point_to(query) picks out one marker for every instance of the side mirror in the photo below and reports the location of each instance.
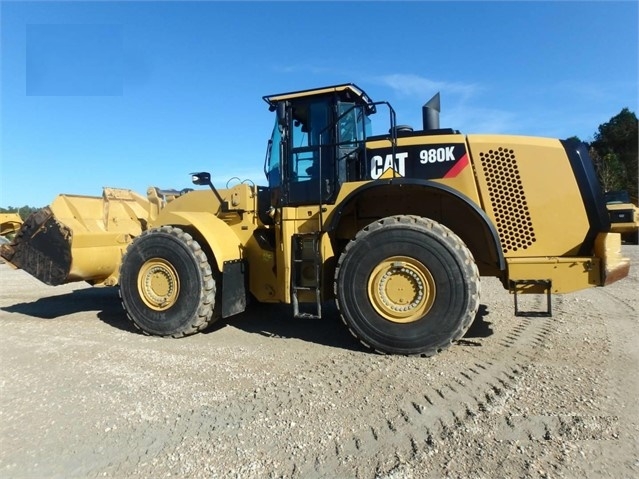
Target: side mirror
(202, 178)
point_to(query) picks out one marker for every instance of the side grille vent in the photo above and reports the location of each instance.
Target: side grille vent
(508, 199)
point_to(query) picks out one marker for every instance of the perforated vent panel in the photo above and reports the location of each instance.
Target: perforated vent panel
(507, 199)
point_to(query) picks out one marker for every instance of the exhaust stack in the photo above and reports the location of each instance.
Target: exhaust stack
(430, 113)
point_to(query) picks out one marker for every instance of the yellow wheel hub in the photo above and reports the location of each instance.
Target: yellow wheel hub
(158, 284)
(401, 289)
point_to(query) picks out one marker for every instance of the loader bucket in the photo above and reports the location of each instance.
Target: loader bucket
(79, 238)
(42, 248)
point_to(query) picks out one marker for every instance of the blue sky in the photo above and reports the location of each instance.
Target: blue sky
(134, 94)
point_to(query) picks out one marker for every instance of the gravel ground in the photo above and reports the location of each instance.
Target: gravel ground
(263, 395)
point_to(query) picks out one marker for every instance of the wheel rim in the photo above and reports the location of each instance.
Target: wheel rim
(158, 284)
(401, 289)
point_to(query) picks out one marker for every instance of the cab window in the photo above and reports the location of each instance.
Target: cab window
(309, 153)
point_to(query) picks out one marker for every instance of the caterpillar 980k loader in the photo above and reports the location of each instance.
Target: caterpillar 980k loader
(397, 228)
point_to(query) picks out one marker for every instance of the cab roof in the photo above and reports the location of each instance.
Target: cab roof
(346, 91)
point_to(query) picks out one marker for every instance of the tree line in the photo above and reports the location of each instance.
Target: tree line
(614, 152)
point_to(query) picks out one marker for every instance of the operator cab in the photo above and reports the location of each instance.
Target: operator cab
(317, 143)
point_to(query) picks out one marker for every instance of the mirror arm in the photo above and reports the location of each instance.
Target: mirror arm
(204, 178)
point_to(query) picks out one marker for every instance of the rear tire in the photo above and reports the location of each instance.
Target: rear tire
(407, 285)
(166, 283)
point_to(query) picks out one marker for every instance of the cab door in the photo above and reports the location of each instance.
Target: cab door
(309, 163)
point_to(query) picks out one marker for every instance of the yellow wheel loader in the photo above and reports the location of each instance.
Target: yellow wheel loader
(9, 224)
(624, 215)
(396, 228)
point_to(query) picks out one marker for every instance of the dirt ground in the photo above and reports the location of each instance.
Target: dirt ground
(263, 395)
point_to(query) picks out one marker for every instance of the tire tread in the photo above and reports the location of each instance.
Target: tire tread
(419, 223)
(205, 312)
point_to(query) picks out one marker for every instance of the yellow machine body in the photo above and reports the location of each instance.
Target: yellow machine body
(527, 208)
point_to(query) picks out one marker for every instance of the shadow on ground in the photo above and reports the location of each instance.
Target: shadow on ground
(276, 321)
(103, 300)
(269, 320)
(479, 328)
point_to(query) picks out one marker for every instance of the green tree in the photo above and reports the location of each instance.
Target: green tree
(610, 171)
(615, 148)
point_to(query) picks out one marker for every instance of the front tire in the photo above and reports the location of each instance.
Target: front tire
(166, 283)
(407, 285)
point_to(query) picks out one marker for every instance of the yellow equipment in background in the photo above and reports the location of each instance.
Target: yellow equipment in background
(397, 228)
(624, 215)
(9, 224)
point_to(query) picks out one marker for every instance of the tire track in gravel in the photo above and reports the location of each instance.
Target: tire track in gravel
(373, 432)
(418, 420)
(522, 427)
(481, 386)
(354, 416)
(628, 303)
